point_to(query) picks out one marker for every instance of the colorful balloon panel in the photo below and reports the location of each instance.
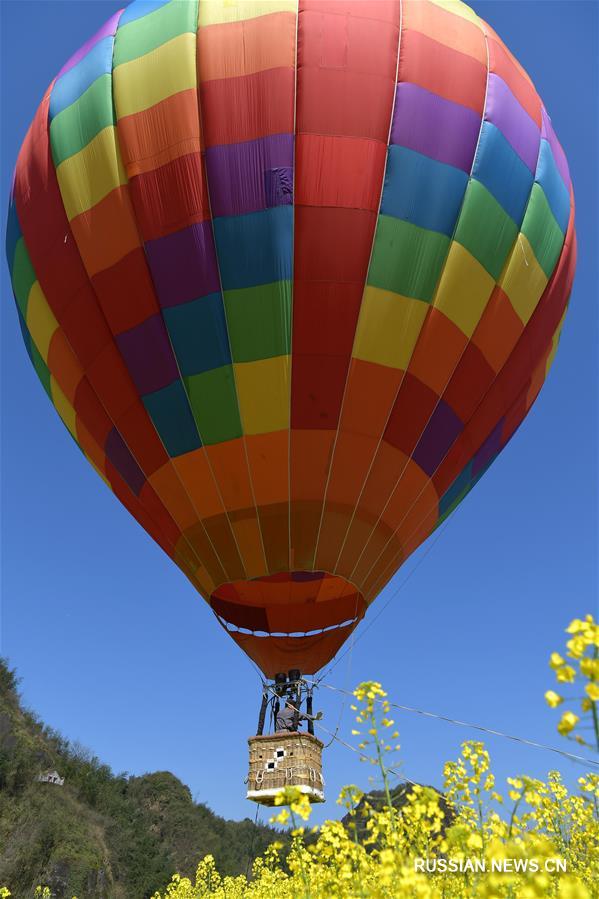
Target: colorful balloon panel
(292, 275)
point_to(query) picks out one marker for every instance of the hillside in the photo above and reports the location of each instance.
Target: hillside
(101, 835)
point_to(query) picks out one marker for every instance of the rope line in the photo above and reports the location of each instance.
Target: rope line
(251, 852)
(248, 657)
(343, 743)
(362, 754)
(486, 730)
(371, 621)
(387, 603)
(347, 677)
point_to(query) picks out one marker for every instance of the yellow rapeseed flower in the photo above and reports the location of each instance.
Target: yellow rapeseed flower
(576, 647)
(590, 668)
(380, 863)
(568, 722)
(592, 691)
(566, 674)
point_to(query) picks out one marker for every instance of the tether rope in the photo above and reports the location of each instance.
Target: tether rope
(486, 730)
(347, 677)
(533, 744)
(362, 754)
(387, 603)
(251, 852)
(334, 736)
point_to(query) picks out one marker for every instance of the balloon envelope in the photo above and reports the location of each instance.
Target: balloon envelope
(292, 275)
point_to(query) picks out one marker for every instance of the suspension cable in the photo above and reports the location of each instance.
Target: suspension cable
(343, 743)
(487, 730)
(251, 850)
(386, 604)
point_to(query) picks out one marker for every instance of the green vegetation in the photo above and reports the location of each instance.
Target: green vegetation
(101, 835)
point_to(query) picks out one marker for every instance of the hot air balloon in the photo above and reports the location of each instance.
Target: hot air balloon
(292, 274)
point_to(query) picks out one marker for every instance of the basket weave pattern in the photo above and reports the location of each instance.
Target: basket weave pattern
(285, 759)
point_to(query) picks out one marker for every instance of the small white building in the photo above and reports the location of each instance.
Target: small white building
(50, 777)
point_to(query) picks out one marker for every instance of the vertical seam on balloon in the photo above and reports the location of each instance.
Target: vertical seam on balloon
(75, 353)
(404, 331)
(207, 455)
(101, 312)
(204, 446)
(506, 263)
(95, 443)
(431, 306)
(374, 233)
(480, 403)
(291, 562)
(222, 294)
(160, 311)
(83, 378)
(168, 336)
(169, 457)
(196, 425)
(384, 577)
(108, 415)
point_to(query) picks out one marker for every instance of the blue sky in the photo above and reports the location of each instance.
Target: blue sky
(115, 649)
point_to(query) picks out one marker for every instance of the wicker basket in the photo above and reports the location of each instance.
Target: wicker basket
(285, 759)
